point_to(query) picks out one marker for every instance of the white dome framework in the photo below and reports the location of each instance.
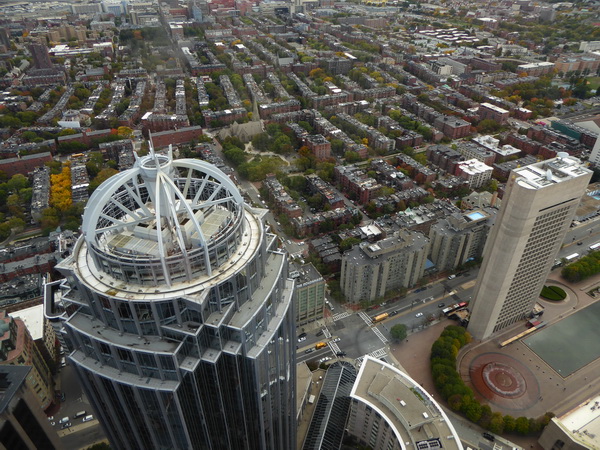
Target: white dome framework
(177, 313)
(164, 221)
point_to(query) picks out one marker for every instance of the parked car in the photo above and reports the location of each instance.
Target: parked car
(489, 437)
(341, 354)
(64, 420)
(65, 425)
(419, 314)
(441, 305)
(452, 277)
(88, 418)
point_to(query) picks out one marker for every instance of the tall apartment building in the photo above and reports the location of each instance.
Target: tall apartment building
(177, 312)
(369, 270)
(23, 425)
(595, 153)
(459, 238)
(537, 209)
(310, 293)
(41, 58)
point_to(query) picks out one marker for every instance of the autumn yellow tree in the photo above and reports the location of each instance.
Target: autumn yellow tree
(60, 189)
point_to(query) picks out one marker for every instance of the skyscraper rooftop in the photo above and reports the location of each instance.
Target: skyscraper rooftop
(176, 311)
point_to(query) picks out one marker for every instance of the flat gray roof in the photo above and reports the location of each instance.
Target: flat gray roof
(411, 412)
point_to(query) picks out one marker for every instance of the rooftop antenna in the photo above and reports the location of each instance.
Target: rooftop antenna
(151, 145)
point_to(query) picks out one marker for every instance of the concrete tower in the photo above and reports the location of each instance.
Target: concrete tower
(177, 312)
(595, 153)
(41, 58)
(537, 209)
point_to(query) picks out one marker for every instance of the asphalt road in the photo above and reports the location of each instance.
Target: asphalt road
(80, 434)
(358, 336)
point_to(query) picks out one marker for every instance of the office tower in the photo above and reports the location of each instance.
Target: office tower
(4, 37)
(41, 59)
(177, 312)
(23, 425)
(537, 208)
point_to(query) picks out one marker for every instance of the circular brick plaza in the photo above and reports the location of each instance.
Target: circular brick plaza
(504, 381)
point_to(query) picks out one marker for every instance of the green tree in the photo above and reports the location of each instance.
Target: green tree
(487, 126)
(235, 155)
(486, 416)
(352, 157)
(13, 202)
(5, 230)
(261, 142)
(522, 426)
(50, 219)
(17, 182)
(282, 144)
(67, 132)
(509, 423)
(337, 146)
(17, 224)
(102, 176)
(398, 332)
(29, 136)
(347, 244)
(472, 409)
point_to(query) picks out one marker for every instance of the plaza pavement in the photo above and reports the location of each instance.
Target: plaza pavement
(556, 394)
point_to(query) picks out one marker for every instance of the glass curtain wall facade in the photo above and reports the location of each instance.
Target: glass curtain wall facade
(176, 309)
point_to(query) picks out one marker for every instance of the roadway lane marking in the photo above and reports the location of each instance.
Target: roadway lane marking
(340, 316)
(380, 335)
(468, 285)
(334, 347)
(365, 317)
(380, 353)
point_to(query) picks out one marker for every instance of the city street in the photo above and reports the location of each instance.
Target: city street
(80, 434)
(358, 336)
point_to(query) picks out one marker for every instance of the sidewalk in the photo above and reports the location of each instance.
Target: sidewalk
(413, 354)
